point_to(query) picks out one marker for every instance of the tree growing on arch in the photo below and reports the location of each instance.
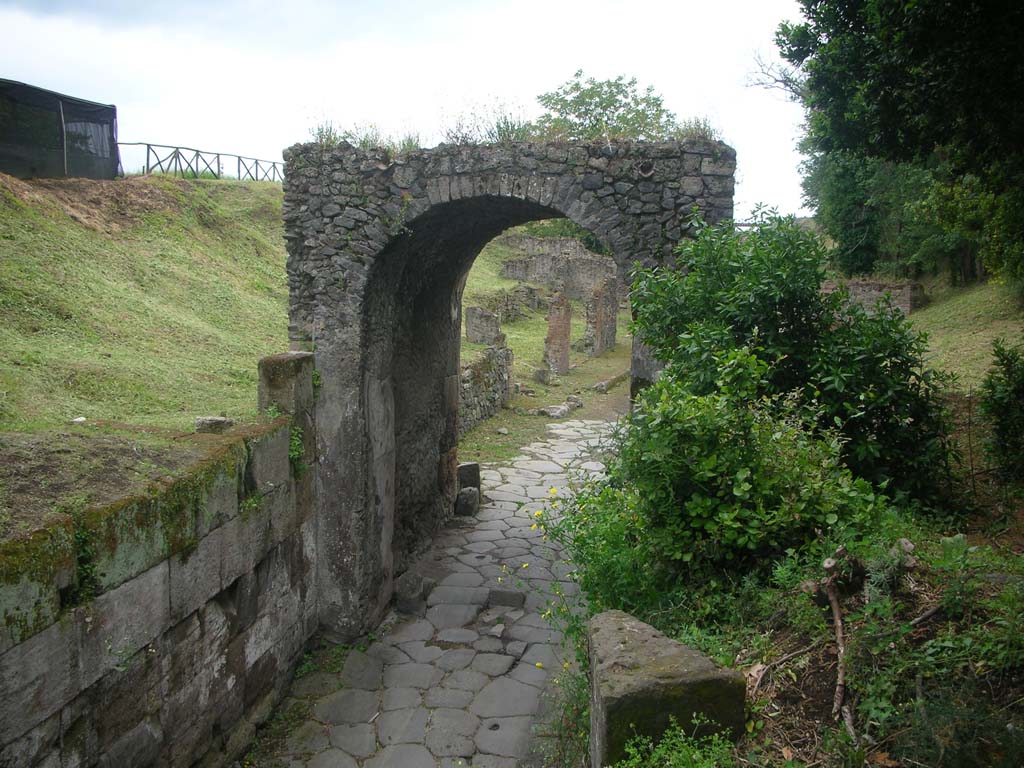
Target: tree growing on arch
(585, 109)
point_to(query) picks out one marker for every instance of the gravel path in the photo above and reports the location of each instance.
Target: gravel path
(461, 683)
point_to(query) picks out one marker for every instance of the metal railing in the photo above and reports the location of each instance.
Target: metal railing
(195, 163)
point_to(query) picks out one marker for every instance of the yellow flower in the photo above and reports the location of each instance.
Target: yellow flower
(533, 527)
(553, 491)
(538, 665)
(526, 565)
(499, 579)
(565, 665)
(538, 513)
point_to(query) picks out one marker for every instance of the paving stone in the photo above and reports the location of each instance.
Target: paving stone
(346, 706)
(494, 761)
(538, 466)
(447, 616)
(403, 726)
(412, 676)
(516, 648)
(510, 597)
(448, 698)
(484, 534)
(455, 659)
(461, 580)
(400, 698)
(308, 738)
(505, 698)
(458, 596)
(467, 680)
(362, 671)
(531, 674)
(488, 644)
(457, 636)
(492, 664)
(389, 654)
(402, 756)
(450, 733)
(332, 758)
(356, 740)
(504, 736)
(422, 653)
(418, 629)
(483, 546)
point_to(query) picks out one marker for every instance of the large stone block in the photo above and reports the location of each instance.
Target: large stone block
(640, 679)
(286, 381)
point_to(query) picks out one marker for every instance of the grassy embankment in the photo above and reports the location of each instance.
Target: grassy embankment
(145, 300)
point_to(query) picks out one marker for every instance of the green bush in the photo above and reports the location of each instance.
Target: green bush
(861, 372)
(1002, 401)
(678, 749)
(704, 479)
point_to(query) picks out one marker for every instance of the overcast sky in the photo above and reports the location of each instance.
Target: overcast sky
(254, 76)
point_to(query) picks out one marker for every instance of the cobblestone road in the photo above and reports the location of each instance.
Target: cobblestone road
(461, 685)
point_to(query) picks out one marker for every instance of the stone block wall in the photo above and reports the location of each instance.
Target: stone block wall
(602, 318)
(201, 597)
(482, 327)
(485, 386)
(556, 344)
(906, 296)
(561, 263)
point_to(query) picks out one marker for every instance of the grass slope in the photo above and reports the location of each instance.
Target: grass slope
(147, 300)
(961, 325)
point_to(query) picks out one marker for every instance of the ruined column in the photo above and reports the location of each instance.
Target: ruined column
(602, 317)
(556, 345)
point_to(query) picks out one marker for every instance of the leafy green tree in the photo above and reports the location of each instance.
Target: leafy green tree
(934, 82)
(585, 109)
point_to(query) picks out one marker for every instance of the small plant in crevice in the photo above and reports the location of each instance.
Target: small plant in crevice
(297, 452)
(679, 748)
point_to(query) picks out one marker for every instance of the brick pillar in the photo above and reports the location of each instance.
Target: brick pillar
(556, 345)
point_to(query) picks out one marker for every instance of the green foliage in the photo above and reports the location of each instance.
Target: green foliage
(679, 749)
(585, 109)
(929, 82)
(296, 451)
(565, 228)
(859, 372)
(496, 123)
(1002, 401)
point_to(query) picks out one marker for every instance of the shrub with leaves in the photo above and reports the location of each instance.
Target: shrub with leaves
(859, 371)
(1002, 401)
(679, 749)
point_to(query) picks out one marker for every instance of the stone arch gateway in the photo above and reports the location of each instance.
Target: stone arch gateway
(378, 250)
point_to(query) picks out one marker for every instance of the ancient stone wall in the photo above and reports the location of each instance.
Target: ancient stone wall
(906, 296)
(205, 593)
(486, 386)
(556, 343)
(378, 249)
(561, 263)
(482, 327)
(602, 318)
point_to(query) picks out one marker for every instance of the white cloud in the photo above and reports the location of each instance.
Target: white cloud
(253, 77)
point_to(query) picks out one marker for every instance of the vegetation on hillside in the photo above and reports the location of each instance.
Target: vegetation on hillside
(146, 299)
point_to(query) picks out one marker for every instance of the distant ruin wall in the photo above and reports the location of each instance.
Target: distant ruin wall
(561, 263)
(486, 386)
(204, 596)
(906, 296)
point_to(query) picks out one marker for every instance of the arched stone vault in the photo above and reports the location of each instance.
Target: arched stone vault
(378, 252)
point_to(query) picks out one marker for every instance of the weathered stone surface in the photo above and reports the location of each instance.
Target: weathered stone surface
(556, 344)
(467, 503)
(482, 327)
(640, 678)
(485, 387)
(562, 263)
(469, 474)
(214, 424)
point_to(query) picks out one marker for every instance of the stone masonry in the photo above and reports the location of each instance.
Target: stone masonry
(602, 318)
(556, 344)
(562, 263)
(485, 387)
(482, 327)
(905, 296)
(378, 249)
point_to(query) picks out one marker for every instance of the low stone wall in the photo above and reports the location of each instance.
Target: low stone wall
(161, 629)
(906, 296)
(562, 263)
(486, 386)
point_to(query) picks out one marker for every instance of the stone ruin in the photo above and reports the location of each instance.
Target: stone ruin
(482, 327)
(562, 263)
(602, 319)
(556, 344)
(378, 249)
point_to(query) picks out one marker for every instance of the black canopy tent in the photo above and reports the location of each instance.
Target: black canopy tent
(45, 134)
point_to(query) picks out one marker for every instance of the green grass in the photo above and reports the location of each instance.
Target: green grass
(961, 325)
(155, 315)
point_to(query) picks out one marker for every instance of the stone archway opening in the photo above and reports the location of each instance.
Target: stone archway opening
(379, 249)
